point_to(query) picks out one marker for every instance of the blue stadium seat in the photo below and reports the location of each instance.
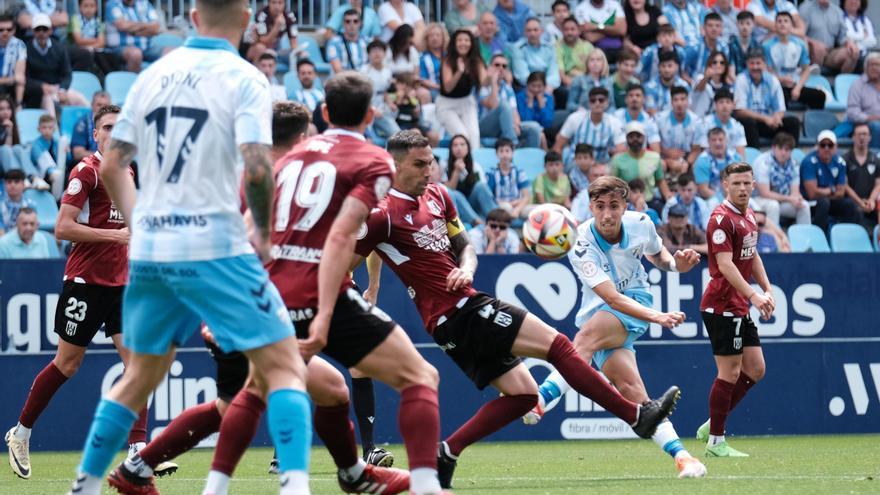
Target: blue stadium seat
(850, 238)
(442, 154)
(28, 120)
(529, 160)
(118, 84)
(47, 210)
(486, 157)
(53, 244)
(798, 155)
(85, 83)
(309, 46)
(292, 84)
(876, 238)
(831, 103)
(70, 116)
(166, 40)
(751, 154)
(806, 238)
(842, 83)
(816, 121)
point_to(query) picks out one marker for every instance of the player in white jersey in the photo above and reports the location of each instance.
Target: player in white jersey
(197, 118)
(616, 305)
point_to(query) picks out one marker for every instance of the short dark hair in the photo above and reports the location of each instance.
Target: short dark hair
(268, 55)
(736, 168)
(634, 87)
(861, 123)
(499, 215)
(783, 140)
(608, 184)
(755, 52)
(289, 120)
(45, 118)
(570, 18)
(26, 210)
(502, 142)
(723, 94)
(785, 14)
(533, 19)
(745, 15)
(677, 90)
(105, 110)
(716, 130)
(636, 185)
(558, 3)
(598, 91)
(552, 156)
(401, 142)
(7, 17)
(665, 28)
(376, 44)
(14, 174)
(304, 61)
(626, 54)
(350, 12)
(348, 95)
(667, 56)
(536, 77)
(713, 16)
(583, 149)
(685, 179)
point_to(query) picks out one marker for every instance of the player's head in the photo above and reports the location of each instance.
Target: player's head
(739, 182)
(211, 16)
(608, 197)
(413, 157)
(290, 123)
(105, 119)
(347, 97)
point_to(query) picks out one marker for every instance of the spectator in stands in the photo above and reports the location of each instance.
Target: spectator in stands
(274, 23)
(789, 60)
(603, 23)
(436, 40)
(824, 184)
(48, 71)
(859, 29)
(678, 233)
(625, 77)
(12, 67)
(744, 41)
(771, 239)
(710, 163)
(728, 13)
(55, 10)
(309, 93)
(716, 76)
(535, 107)
(512, 16)
(552, 186)
(464, 14)
(580, 173)
(87, 32)
(384, 123)
(760, 102)
(268, 65)
(685, 17)
(402, 55)
(466, 176)
(635, 200)
(642, 24)
(491, 42)
(572, 54)
(634, 111)
(404, 103)
(826, 35)
(658, 92)
(639, 162)
(49, 155)
(498, 109)
(863, 102)
(393, 13)
(696, 208)
(722, 117)
(596, 76)
(698, 55)
(530, 54)
(765, 12)
(580, 205)
(466, 213)
(348, 50)
(496, 236)
(8, 128)
(598, 128)
(555, 29)
(13, 200)
(650, 57)
(462, 71)
(370, 26)
(23, 241)
(508, 183)
(678, 128)
(130, 26)
(863, 176)
(82, 141)
(778, 181)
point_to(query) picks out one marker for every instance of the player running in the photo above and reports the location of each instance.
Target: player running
(195, 116)
(733, 260)
(94, 278)
(616, 306)
(418, 233)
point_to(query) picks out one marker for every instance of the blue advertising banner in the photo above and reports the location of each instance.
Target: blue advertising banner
(822, 350)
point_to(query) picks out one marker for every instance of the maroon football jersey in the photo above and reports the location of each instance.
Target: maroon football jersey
(412, 237)
(99, 263)
(730, 231)
(311, 182)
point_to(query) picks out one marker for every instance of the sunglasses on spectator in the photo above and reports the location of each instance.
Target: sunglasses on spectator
(498, 226)
(352, 21)
(826, 144)
(41, 28)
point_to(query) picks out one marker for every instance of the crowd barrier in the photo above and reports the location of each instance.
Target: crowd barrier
(822, 351)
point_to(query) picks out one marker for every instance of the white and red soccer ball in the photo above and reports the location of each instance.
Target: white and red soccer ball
(550, 231)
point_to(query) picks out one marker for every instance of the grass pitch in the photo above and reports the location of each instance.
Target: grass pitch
(782, 465)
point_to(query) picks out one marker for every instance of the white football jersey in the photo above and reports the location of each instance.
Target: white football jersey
(595, 261)
(187, 114)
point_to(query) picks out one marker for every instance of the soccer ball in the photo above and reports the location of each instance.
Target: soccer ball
(550, 231)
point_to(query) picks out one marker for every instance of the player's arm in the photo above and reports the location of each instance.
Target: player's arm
(620, 302)
(466, 255)
(68, 229)
(117, 179)
(258, 187)
(374, 273)
(728, 269)
(682, 261)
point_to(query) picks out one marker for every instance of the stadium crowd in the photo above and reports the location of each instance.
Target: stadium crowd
(520, 111)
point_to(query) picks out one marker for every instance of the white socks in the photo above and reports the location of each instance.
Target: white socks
(351, 474)
(217, 484)
(295, 483)
(22, 433)
(137, 466)
(665, 433)
(715, 440)
(423, 480)
(88, 485)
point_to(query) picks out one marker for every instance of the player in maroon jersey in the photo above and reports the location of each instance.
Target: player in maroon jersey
(94, 278)
(733, 261)
(416, 231)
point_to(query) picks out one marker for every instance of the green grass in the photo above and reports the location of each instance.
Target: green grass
(783, 465)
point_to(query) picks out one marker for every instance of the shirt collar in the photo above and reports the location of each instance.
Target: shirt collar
(336, 131)
(603, 244)
(41, 49)
(730, 205)
(400, 195)
(208, 43)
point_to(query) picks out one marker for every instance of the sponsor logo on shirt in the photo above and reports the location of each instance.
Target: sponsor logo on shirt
(750, 241)
(433, 237)
(301, 314)
(115, 215)
(434, 207)
(291, 252)
(172, 221)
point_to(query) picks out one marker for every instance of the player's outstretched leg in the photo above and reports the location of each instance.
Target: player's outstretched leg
(363, 398)
(549, 394)
(736, 375)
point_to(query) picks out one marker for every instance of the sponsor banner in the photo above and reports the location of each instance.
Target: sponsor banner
(822, 351)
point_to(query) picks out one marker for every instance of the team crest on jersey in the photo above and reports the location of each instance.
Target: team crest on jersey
(590, 269)
(637, 252)
(411, 292)
(74, 187)
(718, 237)
(872, 168)
(70, 329)
(434, 207)
(835, 172)
(433, 237)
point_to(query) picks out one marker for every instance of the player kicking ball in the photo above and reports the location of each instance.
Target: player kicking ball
(616, 305)
(416, 231)
(733, 260)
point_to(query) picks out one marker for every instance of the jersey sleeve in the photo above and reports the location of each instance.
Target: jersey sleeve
(374, 231)
(374, 180)
(450, 214)
(720, 234)
(83, 180)
(654, 243)
(126, 127)
(253, 117)
(586, 261)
